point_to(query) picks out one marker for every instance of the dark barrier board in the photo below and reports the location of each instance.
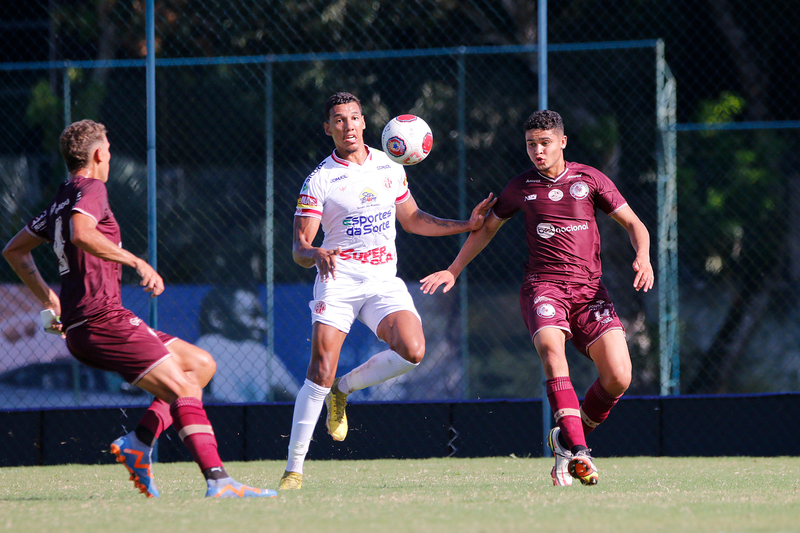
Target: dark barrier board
(753, 425)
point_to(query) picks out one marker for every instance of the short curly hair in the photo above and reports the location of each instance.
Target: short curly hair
(544, 120)
(76, 143)
(339, 99)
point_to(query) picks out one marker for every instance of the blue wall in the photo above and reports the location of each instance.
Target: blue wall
(179, 315)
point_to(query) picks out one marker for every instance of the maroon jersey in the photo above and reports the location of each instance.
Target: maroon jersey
(90, 286)
(560, 225)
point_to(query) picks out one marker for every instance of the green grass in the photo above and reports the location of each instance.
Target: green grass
(501, 494)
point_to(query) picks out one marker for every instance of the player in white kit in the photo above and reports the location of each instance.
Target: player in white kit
(356, 194)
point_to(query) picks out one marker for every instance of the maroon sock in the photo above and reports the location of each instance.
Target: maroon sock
(195, 431)
(156, 419)
(566, 410)
(596, 406)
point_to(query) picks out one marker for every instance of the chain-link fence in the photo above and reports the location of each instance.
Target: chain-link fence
(239, 94)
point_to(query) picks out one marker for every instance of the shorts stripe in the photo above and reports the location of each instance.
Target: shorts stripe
(151, 367)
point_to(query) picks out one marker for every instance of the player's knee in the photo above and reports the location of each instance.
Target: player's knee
(321, 371)
(412, 352)
(617, 383)
(206, 364)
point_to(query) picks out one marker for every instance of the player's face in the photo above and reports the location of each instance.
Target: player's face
(546, 150)
(346, 126)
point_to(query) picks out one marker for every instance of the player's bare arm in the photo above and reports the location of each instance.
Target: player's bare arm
(474, 244)
(306, 254)
(415, 220)
(85, 235)
(18, 254)
(640, 239)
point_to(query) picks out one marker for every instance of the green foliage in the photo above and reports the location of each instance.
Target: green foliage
(731, 188)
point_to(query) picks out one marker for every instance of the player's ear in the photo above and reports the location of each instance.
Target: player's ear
(327, 128)
(563, 141)
(97, 154)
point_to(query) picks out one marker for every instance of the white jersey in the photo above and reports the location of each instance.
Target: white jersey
(357, 205)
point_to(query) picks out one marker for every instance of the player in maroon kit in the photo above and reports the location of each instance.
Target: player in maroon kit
(101, 333)
(562, 296)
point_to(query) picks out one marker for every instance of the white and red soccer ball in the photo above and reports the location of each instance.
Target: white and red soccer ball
(407, 139)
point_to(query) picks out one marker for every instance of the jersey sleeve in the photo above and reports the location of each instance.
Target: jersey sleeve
(607, 197)
(507, 204)
(311, 197)
(92, 200)
(38, 226)
(403, 193)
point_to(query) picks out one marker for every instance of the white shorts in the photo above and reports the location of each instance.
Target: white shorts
(339, 302)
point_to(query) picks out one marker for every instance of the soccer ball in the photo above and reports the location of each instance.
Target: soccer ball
(407, 139)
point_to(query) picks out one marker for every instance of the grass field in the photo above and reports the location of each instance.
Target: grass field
(501, 494)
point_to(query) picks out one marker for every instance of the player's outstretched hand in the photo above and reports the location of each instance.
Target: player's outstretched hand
(479, 213)
(326, 262)
(151, 281)
(431, 283)
(644, 274)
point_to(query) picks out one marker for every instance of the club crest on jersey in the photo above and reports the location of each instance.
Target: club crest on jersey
(319, 307)
(579, 190)
(546, 311)
(387, 183)
(367, 196)
(555, 194)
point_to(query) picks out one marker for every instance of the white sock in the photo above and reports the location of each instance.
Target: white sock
(307, 408)
(379, 368)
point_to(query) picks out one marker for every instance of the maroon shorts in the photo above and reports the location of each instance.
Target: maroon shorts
(120, 342)
(583, 310)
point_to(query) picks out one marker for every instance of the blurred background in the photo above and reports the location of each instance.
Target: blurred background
(240, 86)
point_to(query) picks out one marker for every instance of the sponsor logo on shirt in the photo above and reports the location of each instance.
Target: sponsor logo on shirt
(541, 299)
(555, 194)
(305, 201)
(546, 230)
(376, 256)
(533, 181)
(530, 197)
(367, 224)
(579, 190)
(57, 208)
(38, 223)
(383, 167)
(135, 321)
(340, 178)
(316, 170)
(368, 196)
(546, 311)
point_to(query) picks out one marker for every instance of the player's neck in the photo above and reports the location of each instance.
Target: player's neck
(89, 172)
(358, 157)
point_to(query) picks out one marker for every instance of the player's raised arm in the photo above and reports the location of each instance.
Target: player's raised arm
(306, 254)
(85, 235)
(415, 220)
(476, 242)
(640, 239)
